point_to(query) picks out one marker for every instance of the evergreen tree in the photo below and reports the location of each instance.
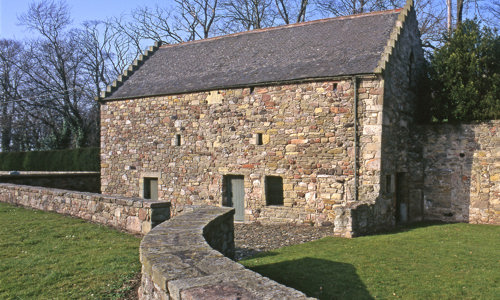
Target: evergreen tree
(465, 75)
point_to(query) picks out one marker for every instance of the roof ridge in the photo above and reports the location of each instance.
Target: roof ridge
(361, 15)
(393, 38)
(128, 71)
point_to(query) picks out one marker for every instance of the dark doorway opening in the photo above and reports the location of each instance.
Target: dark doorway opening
(402, 207)
(274, 190)
(150, 188)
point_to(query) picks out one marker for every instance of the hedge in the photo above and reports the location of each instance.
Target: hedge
(82, 159)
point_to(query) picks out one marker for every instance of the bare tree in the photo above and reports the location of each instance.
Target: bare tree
(248, 14)
(56, 84)
(10, 84)
(347, 7)
(292, 11)
(152, 24)
(197, 17)
(94, 40)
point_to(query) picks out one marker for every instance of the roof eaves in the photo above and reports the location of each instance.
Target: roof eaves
(391, 42)
(128, 72)
(257, 84)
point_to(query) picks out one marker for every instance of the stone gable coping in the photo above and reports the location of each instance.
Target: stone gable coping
(391, 43)
(129, 71)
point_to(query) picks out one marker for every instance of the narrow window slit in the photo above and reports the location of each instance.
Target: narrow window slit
(258, 140)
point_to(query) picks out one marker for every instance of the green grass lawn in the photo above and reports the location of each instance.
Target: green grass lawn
(50, 256)
(447, 261)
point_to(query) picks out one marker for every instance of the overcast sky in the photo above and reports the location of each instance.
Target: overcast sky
(81, 10)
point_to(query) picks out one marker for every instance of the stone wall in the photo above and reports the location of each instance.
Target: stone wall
(307, 139)
(74, 181)
(386, 193)
(182, 259)
(131, 214)
(461, 166)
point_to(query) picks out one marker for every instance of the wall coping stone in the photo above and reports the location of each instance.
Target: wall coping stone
(181, 264)
(135, 202)
(134, 215)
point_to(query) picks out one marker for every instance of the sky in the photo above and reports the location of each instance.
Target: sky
(81, 10)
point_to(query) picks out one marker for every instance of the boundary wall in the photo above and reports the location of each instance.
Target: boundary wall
(134, 215)
(187, 257)
(461, 172)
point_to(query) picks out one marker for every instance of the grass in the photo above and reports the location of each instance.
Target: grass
(50, 256)
(446, 261)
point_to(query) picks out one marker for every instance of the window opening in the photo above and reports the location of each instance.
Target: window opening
(259, 139)
(274, 190)
(177, 139)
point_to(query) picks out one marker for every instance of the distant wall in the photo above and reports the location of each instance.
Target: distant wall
(74, 181)
(461, 166)
(131, 214)
(180, 261)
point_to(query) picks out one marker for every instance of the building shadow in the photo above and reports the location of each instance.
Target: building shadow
(319, 278)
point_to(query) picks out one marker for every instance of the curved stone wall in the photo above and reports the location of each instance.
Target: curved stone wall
(182, 258)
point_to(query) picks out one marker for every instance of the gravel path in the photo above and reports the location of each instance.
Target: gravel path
(252, 238)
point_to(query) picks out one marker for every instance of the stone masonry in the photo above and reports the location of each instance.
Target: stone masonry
(461, 167)
(183, 259)
(308, 140)
(337, 167)
(129, 214)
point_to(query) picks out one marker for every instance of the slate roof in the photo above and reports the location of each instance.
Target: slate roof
(318, 49)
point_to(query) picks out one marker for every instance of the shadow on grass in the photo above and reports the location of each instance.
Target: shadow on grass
(406, 228)
(318, 278)
(244, 253)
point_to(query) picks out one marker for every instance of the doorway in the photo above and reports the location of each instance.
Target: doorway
(402, 207)
(234, 195)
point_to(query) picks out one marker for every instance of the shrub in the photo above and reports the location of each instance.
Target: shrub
(81, 159)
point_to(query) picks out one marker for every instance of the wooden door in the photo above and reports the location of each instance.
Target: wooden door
(401, 198)
(235, 195)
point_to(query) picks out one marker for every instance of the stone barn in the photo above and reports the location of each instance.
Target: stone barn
(304, 123)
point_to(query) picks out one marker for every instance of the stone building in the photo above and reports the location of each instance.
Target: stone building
(304, 123)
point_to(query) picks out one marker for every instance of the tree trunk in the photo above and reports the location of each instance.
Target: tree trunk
(460, 9)
(448, 19)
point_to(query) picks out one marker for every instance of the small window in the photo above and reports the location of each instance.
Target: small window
(274, 190)
(258, 139)
(335, 87)
(178, 140)
(150, 188)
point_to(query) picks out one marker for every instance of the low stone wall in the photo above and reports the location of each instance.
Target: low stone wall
(74, 181)
(134, 215)
(461, 166)
(183, 258)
